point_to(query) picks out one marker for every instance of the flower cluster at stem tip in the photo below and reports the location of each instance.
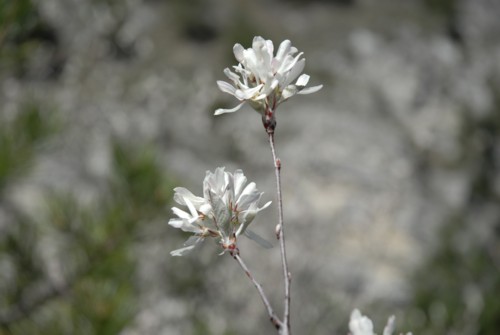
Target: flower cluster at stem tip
(263, 79)
(360, 324)
(224, 212)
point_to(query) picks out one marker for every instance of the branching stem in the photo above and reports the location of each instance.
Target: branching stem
(277, 323)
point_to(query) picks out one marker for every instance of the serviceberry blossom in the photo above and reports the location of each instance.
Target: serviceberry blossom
(224, 212)
(362, 325)
(264, 80)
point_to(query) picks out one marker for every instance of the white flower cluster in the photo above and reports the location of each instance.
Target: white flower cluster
(265, 80)
(362, 325)
(224, 212)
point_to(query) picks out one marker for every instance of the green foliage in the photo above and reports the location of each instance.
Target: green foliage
(19, 138)
(85, 285)
(446, 8)
(457, 289)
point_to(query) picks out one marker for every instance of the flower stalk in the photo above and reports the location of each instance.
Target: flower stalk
(277, 323)
(280, 234)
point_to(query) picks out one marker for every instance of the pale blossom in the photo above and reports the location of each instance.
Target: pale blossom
(360, 324)
(224, 212)
(263, 79)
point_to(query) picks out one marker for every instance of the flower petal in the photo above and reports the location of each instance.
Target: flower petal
(258, 239)
(310, 90)
(231, 75)
(226, 87)
(239, 181)
(283, 50)
(302, 80)
(238, 52)
(230, 110)
(247, 94)
(190, 244)
(294, 72)
(180, 213)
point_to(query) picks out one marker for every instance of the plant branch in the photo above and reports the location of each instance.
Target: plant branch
(277, 323)
(280, 233)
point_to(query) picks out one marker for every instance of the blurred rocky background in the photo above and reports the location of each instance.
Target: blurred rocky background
(391, 172)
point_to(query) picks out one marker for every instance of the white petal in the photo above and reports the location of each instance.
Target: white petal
(258, 239)
(226, 87)
(265, 206)
(238, 52)
(184, 225)
(239, 181)
(294, 72)
(288, 92)
(303, 80)
(180, 213)
(190, 244)
(360, 324)
(310, 90)
(181, 194)
(257, 41)
(389, 327)
(270, 48)
(247, 94)
(231, 75)
(283, 50)
(206, 209)
(289, 63)
(192, 209)
(231, 110)
(176, 223)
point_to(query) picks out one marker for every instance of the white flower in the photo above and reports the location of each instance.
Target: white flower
(265, 80)
(197, 221)
(224, 212)
(235, 205)
(360, 324)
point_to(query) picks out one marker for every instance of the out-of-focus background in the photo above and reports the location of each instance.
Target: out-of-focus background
(391, 173)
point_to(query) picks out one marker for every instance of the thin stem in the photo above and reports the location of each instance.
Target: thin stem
(277, 323)
(280, 232)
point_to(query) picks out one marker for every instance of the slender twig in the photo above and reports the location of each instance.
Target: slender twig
(277, 323)
(281, 236)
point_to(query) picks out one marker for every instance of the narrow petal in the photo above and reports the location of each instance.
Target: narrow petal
(192, 209)
(294, 72)
(247, 94)
(181, 194)
(239, 181)
(246, 200)
(258, 239)
(270, 48)
(302, 80)
(289, 63)
(238, 52)
(310, 90)
(184, 225)
(288, 92)
(283, 50)
(265, 206)
(231, 75)
(190, 244)
(180, 213)
(176, 222)
(389, 327)
(226, 87)
(231, 110)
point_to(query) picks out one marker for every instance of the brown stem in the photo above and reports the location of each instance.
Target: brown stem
(281, 237)
(277, 323)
